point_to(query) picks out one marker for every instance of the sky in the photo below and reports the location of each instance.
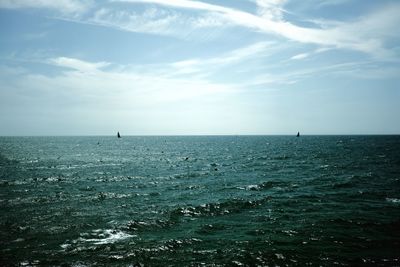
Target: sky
(206, 67)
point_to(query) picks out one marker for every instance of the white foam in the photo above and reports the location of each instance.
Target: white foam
(253, 187)
(107, 237)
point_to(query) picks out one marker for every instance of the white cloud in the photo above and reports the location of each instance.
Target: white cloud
(330, 3)
(368, 34)
(271, 9)
(208, 20)
(206, 66)
(78, 65)
(153, 20)
(182, 4)
(63, 6)
(300, 56)
(352, 35)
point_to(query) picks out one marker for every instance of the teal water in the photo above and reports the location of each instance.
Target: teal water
(191, 201)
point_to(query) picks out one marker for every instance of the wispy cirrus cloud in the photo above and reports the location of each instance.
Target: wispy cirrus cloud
(369, 34)
(350, 35)
(63, 6)
(208, 66)
(77, 64)
(300, 56)
(152, 20)
(270, 9)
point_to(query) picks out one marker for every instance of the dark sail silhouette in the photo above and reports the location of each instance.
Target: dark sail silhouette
(298, 134)
(118, 135)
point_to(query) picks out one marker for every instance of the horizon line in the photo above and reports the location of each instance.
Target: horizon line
(188, 135)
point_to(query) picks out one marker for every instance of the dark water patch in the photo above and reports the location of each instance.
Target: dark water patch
(281, 157)
(208, 229)
(6, 162)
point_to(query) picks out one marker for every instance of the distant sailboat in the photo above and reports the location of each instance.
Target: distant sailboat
(298, 134)
(118, 135)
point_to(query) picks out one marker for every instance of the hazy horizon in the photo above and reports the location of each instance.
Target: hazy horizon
(183, 67)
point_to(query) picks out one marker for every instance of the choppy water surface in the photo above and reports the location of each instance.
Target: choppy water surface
(189, 201)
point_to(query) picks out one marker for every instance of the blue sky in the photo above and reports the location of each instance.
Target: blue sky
(171, 67)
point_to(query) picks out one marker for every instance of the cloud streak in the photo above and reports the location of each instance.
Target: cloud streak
(154, 21)
(239, 55)
(78, 65)
(354, 35)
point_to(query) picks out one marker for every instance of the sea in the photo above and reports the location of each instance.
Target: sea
(200, 201)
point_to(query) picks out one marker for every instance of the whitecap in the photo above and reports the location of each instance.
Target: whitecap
(107, 236)
(65, 246)
(253, 187)
(237, 263)
(393, 200)
(29, 263)
(97, 237)
(117, 257)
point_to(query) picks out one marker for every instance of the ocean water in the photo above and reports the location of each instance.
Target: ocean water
(200, 201)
